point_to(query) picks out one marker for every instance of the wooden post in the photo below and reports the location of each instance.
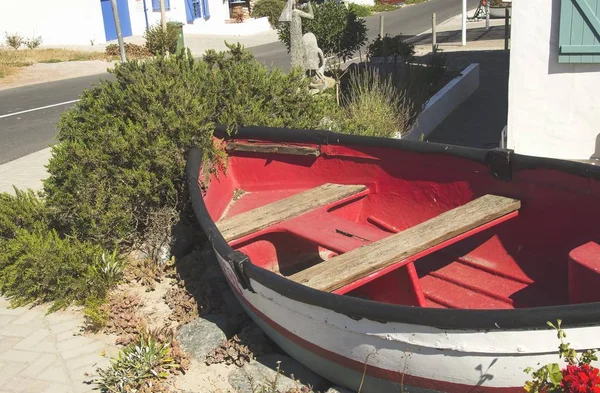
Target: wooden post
(433, 33)
(163, 16)
(118, 27)
(464, 22)
(506, 28)
(381, 25)
(487, 14)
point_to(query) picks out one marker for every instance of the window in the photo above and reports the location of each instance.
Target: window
(579, 35)
(156, 5)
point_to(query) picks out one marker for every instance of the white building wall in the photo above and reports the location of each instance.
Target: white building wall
(58, 22)
(553, 109)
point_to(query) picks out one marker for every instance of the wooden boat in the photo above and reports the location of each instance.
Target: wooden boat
(391, 264)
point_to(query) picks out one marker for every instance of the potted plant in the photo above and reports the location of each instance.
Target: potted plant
(497, 8)
(390, 49)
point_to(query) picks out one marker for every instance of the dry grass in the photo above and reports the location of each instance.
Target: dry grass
(11, 60)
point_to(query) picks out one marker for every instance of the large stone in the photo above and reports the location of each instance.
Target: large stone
(263, 372)
(203, 335)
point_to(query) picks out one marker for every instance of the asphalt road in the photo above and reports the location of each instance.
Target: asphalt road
(28, 115)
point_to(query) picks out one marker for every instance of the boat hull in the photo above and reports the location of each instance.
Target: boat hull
(392, 356)
(384, 347)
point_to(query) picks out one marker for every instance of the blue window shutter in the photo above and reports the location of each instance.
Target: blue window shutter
(156, 5)
(579, 35)
(205, 10)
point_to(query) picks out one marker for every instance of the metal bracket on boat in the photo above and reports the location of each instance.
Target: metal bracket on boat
(499, 163)
(238, 261)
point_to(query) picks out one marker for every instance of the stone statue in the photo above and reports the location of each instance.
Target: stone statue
(291, 13)
(313, 58)
(304, 49)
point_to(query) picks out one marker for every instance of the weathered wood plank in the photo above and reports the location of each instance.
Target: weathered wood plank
(273, 149)
(360, 262)
(262, 217)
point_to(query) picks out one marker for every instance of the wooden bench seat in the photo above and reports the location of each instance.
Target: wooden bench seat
(361, 262)
(246, 223)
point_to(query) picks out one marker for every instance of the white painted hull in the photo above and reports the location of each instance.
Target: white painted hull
(492, 360)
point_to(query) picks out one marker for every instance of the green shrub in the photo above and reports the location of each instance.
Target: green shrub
(159, 42)
(33, 42)
(14, 40)
(391, 46)
(131, 50)
(121, 150)
(361, 10)
(373, 106)
(24, 211)
(339, 31)
(41, 266)
(272, 9)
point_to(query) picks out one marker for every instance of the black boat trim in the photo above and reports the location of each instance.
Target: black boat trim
(502, 164)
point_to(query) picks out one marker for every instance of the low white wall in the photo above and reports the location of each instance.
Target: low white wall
(58, 22)
(248, 27)
(444, 102)
(553, 109)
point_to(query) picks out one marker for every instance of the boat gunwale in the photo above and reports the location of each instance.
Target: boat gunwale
(584, 314)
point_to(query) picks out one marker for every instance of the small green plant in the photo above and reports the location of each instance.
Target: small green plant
(109, 269)
(146, 359)
(41, 266)
(579, 376)
(388, 46)
(272, 9)
(14, 40)
(33, 42)
(159, 42)
(339, 31)
(373, 106)
(361, 10)
(96, 314)
(51, 61)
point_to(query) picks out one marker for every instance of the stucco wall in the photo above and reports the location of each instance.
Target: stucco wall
(58, 22)
(553, 109)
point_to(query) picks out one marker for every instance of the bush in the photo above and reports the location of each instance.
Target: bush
(391, 46)
(361, 10)
(339, 31)
(25, 211)
(373, 106)
(33, 42)
(159, 42)
(121, 150)
(381, 7)
(14, 40)
(272, 9)
(131, 50)
(41, 266)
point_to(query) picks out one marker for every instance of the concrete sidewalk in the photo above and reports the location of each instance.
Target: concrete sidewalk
(46, 353)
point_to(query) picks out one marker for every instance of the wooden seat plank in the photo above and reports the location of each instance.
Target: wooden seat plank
(361, 262)
(243, 224)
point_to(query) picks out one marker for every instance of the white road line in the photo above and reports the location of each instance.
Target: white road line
(37, 109)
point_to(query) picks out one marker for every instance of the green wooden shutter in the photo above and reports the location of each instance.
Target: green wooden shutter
(579, 37)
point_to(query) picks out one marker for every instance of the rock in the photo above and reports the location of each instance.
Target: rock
(185, 237)
(233, 308)
(262, 371)
(337, 389)
(203, 335)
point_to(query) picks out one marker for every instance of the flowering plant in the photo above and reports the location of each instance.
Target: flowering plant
(579, 376)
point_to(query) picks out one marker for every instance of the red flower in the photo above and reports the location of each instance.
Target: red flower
(581, 379)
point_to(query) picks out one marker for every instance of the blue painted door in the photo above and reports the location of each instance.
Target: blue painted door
(109, 20)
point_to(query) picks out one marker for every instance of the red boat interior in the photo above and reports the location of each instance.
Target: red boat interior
(419, 229)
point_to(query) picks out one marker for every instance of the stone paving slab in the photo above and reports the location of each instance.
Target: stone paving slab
(47, 353)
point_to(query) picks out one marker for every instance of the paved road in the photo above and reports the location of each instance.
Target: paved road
(35, 129)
